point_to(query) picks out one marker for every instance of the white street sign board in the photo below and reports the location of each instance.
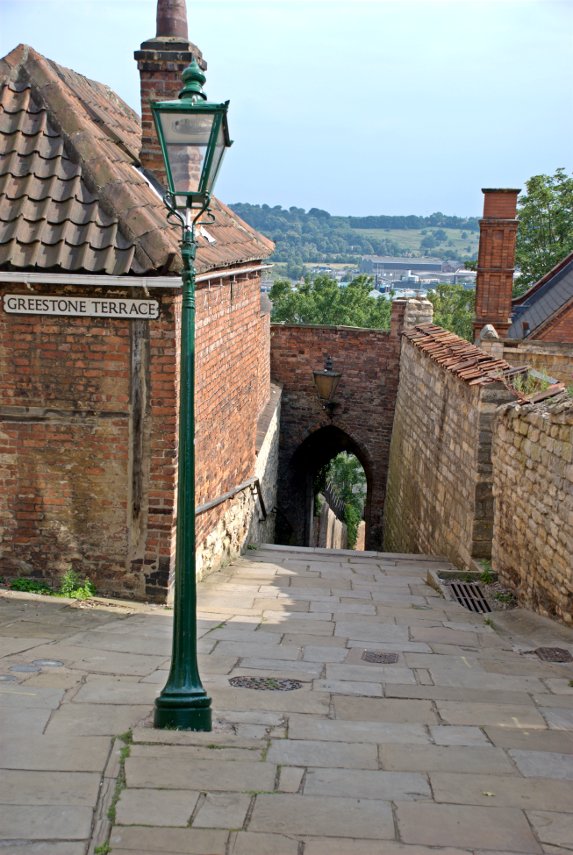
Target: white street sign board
(77, 307)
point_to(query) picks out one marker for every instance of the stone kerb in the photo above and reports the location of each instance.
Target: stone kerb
(533, 489)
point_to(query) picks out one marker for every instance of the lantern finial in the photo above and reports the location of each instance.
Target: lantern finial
(193, 82)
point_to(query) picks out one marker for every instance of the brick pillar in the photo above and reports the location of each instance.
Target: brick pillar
(496, 261)
(161, 62)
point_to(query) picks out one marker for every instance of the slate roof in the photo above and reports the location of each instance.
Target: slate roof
(72, 195)
(543, 302)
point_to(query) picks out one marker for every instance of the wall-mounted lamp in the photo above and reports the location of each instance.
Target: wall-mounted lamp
(326, 380)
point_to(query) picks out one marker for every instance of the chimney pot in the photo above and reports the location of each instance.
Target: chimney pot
(172, 19)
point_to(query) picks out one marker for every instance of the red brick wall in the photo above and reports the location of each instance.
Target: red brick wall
(227, 395)
(362, 423)
(65, 415)
(88, 426)
(560, 329)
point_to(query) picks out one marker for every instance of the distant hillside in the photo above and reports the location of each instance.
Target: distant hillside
(316, 236)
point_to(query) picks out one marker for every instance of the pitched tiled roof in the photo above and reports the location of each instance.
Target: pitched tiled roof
(72, 196)
(535, 309)
(468, 362)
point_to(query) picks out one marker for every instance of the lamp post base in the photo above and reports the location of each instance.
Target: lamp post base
(188, 712)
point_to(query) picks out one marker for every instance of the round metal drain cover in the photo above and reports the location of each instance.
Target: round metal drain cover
(379, 657)
(48, 663)
(269, 684)
(554, 654)
(7, 678)
(25, 669)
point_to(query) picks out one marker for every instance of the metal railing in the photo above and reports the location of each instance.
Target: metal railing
(255, 485)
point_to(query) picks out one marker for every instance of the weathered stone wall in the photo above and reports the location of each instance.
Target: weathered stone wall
(555, 360)
(88, 431)
(439, 497)
(360, 424)
(329, 531)
(533, 489)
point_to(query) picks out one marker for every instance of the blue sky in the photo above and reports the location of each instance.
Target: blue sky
(358, 107)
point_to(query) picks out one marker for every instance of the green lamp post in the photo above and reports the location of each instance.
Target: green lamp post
(193, 135)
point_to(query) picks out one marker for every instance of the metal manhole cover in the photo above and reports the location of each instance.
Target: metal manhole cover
(553, 654)
(48, 663)
(8, 678)
(269, 684)
(379, 657)
(25, 669)
(470, 596)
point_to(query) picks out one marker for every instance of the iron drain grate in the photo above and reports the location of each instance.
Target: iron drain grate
(470, 596)
(553, 654)
(379, 657)
(269, 684)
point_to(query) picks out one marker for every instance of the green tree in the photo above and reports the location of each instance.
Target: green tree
(322, 300)
(545, 233)
(454, 308)
(346, 478)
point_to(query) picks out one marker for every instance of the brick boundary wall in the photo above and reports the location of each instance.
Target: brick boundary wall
(533, 489)
(88, 427)
(362, 419)
(439, 494)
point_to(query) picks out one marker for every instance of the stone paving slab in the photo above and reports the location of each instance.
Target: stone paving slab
(462, 747)
(94, 720)
(313, 727)
(530, 740)
(61, 754)
(384, 786)
(327, 817)
(543, 764)
(159, 841)
(344, 846)
(20, 787)
(156, 807)
(199, 775)
(446, 825)
(308, 752)
(248, 843)
(502, 790)
(44, 822)
(445, 758)
(370, 709)
(552, 828)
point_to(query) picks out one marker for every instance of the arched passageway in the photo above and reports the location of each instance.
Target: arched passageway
(294, 522)
(360, 420)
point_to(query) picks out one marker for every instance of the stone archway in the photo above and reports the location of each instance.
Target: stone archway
(297, 497)
(360, 422)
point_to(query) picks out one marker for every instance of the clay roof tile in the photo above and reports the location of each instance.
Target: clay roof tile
(71, 194)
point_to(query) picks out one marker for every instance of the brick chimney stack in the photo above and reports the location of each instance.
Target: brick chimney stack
(160, 62)
(496, 261)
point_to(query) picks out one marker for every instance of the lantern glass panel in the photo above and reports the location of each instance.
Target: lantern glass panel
(218, 152)
(326, 384)
(186, 142)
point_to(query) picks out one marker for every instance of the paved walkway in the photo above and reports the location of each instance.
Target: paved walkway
(463, 745)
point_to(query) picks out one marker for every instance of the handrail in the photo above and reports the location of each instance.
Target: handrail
(255, 485)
